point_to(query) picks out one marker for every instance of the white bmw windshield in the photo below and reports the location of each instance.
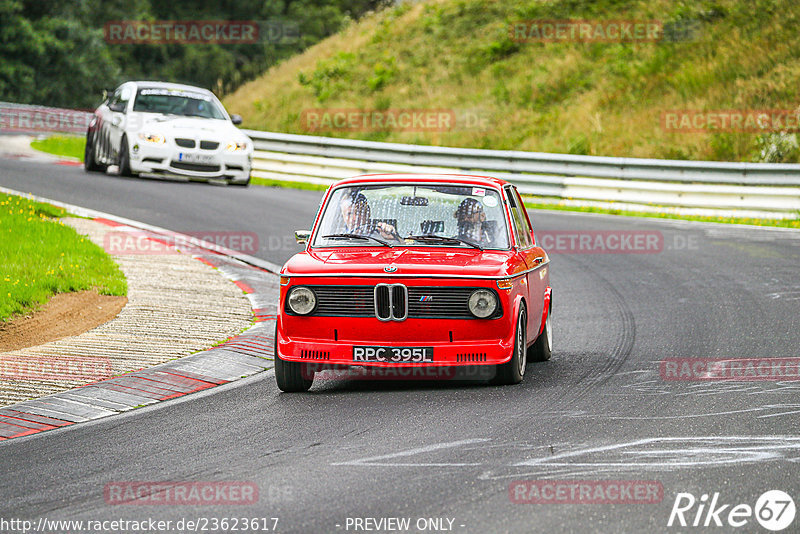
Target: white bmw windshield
(413, 215)
(177, 102)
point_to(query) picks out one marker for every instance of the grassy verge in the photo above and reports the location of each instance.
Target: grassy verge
(286, 183)
(41, 256)
(594, 98)
(61, 145)
(532, 203)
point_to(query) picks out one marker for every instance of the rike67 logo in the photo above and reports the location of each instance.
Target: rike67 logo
(774, 510)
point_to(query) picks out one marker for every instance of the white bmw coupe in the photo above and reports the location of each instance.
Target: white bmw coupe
(168, 130)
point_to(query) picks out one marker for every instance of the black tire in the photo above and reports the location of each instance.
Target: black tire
(292, 377)
(124, 159)
(89, 161)
(513, 370)
(542, 349)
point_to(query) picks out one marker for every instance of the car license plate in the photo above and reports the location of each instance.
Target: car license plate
(190, 157)
(393, 354)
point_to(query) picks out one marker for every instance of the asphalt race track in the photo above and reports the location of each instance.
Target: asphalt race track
(600, 410)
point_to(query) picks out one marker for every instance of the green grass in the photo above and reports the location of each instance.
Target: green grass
(596, 98)
(41, 256)
(287, 183)
(61, 145)
(532, 203)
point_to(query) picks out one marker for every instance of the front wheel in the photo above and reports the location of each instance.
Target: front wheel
(124, 159)
(89, 161)
(542, 349)
(513, 370)
(291, 377)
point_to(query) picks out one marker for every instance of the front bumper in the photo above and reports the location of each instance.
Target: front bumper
(167, 161)
(492, 345)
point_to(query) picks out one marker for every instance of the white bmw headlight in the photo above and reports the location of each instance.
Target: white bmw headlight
(154, 138)
(302, 300)
(482, 303)
(235, 146)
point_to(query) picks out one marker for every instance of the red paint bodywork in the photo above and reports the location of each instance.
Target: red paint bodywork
(420, 266)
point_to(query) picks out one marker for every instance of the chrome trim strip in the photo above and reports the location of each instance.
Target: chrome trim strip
(398, 275)
(390, 291)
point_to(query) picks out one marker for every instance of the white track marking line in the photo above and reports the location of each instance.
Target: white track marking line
(370, 461)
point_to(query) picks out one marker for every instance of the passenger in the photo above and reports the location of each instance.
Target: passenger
(471, 223)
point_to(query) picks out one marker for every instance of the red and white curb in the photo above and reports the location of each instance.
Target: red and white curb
(241, 356)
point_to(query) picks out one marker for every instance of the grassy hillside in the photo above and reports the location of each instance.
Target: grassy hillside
(583, 98)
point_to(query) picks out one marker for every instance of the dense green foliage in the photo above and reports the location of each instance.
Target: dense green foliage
(55, 53)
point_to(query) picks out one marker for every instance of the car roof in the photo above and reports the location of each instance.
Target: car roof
(168, 85)
(466, 179)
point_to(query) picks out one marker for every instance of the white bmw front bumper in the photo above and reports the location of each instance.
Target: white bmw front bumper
(205, 160)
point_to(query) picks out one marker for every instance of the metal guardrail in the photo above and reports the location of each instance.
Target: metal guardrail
(747, 189)
(744, 189)
(24, 118)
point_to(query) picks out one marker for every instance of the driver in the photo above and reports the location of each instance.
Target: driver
(356, 215)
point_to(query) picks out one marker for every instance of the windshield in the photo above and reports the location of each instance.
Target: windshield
(413, 215)
(177, 102)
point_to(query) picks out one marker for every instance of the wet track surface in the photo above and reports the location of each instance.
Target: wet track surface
(598, 411)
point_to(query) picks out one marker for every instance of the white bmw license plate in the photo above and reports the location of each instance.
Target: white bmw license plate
(393, 354)
(190, 157)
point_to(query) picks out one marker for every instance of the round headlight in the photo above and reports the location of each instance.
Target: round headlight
(302, 300)
(482, 303)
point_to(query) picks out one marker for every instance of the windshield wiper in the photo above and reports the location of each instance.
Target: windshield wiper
(441, 238)
(357, 236)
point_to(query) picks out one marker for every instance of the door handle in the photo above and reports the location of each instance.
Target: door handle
(538, 260)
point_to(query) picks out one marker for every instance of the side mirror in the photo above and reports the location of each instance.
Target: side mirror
(236, 119)
(302, 236)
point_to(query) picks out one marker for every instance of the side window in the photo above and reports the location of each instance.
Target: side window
(523, 212)
(120, 99)
(113, 102)
(520, 227)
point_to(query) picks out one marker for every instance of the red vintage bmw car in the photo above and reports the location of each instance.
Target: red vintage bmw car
(407, 270)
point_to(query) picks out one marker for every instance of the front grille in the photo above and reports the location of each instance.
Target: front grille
(399, 309)
(382, 310)
(208, 145)
(426, 302)
(185, 143)
(440, 302)
(344, 301)
(199, 167)
(390, 302)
